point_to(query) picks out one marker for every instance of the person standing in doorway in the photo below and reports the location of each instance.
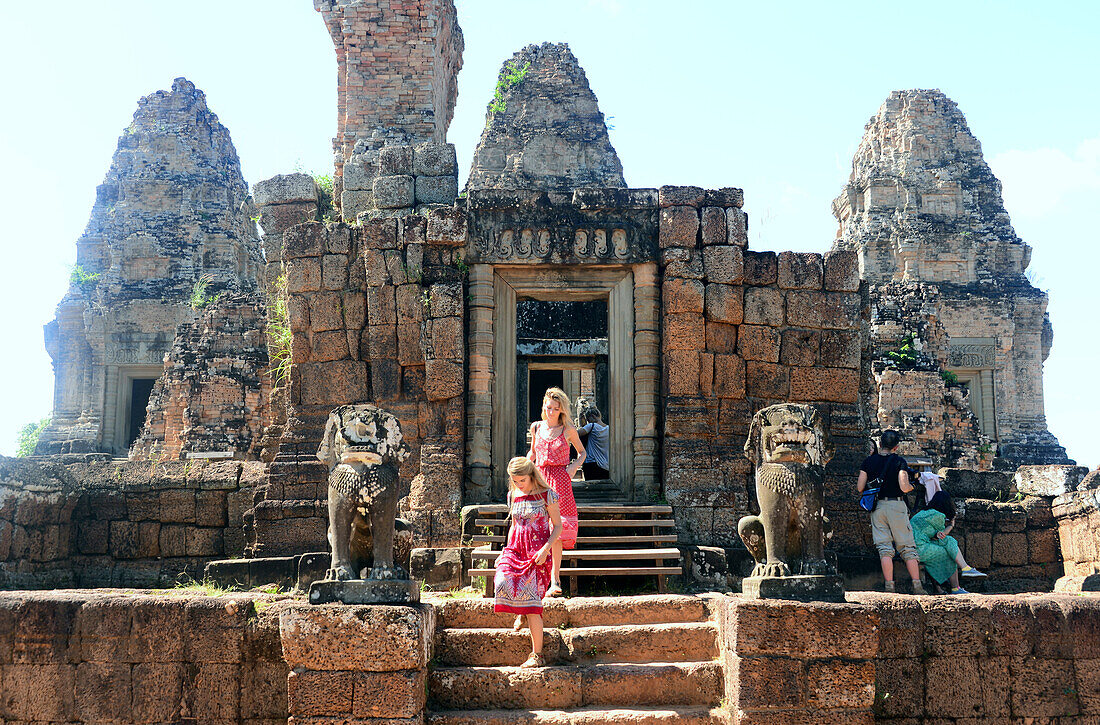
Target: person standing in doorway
(595, 465)
(890, 526)
(551, 439)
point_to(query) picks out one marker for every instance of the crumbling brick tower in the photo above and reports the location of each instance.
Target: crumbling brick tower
(924, 212)
(397, 83)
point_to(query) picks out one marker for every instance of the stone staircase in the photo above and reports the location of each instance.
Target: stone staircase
(640, 659)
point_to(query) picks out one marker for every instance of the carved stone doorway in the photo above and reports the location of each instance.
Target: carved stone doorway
(493, 412)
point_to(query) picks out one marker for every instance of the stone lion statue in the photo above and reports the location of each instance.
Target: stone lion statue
(789, 448)
(362, 447)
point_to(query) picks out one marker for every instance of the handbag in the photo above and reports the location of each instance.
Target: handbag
(869, 498)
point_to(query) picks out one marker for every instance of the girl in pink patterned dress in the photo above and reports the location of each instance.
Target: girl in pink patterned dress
(550, 441)
(523, 568)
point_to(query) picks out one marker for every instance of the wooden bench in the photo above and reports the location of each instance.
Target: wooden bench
(613, 540)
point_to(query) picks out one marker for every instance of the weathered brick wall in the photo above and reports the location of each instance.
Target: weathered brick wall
(1078, 516)
(1015, 543)
(215, 393)
(133, 657)
(740, 331)
(987, 659)
(377, 314)
(397, 70)
(108, 524)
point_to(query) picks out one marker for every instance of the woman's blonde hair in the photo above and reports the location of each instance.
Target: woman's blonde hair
(520, 466)
(563, 400)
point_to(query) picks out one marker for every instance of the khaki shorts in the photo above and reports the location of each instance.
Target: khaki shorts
(890, 526)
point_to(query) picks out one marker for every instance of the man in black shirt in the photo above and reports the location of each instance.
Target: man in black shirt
(890, 519)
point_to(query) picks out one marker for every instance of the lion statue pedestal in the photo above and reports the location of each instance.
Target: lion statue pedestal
(363, 446)
(789, 447)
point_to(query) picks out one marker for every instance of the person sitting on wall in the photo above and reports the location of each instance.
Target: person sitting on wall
(890, 519)
(939, 552)
(595, 436)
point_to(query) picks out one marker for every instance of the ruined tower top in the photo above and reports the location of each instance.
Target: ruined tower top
(172, 207)
(544, 129)
(398, 63)
(922, 203)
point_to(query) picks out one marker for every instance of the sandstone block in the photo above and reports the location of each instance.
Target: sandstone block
(724, 264)
(678, 227)
(434, 159)
(1043, 688)
(359, 174)
(285, 189)
(385, 379)
(1049, 480)
(800, 347)
(721, 338)
(379, 234)
(277, 218)
(835, 684)
(102, 692)
(737, 228)
(41, 693)
(729, 376)
(364, 638)
(832, 310)
(956, 689)
(726, 196)
(979, 548)
(767, 682)
(800, 270)
(124, 540)
(389, 694)
(761, 268)
(333, 383)
(304, 240)
(1010, 549)
(683, 372)
(445, 300)
(764, 306)
(680, 262)
(903, 681)
(714, 226)
(842, 271)
(837, 385)
(395, 160)
(765, 380)
(447, 227)
(436, 189)
(380, 342)
(447, 339)
(177, 506)
(757, 342)
(381, 306)
(683, 331)
(841, 348)
(334, 272)
(355, 310)
(312, 693)
(668, 196)
(682, 295)
(413, 229)
(956, 628)
(393, 192)
(724, 303)
(216, 691)
(325, 313)
(443, 379)
(303, 275)
(157, 691)
(354, 202)
(773, 628)
(1012, 633)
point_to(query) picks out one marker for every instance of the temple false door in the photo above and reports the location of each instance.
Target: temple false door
(973, 361)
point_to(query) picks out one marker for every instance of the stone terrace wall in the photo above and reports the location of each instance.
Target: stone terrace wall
(1078, 515)
(133, 657)
(741, 331)
(107, 524)
(986, 659)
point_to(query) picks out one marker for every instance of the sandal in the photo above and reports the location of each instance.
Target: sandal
(520, 623)
(535, 659)
(554, 590)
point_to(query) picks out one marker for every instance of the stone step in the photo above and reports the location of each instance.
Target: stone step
(676, 642)
(553, 688)
(578, 612)
(583, 716)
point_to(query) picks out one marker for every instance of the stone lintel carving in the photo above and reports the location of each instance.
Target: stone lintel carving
(978, 355)
(789, 447)
(363, 447)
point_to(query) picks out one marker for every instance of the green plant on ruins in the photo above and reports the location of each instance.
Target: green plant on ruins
(905, 357)
(327, 204)
(510, 76)
(278, 333)
(28, 437)
(85, 280)
(950, 379)
(199, 297)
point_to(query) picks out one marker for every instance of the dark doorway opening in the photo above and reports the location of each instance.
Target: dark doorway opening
(540, 381)
(140, 389)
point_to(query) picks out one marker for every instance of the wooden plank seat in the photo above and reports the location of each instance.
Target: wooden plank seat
(613, 540)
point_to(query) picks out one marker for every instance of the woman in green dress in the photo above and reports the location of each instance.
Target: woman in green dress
(937, 551)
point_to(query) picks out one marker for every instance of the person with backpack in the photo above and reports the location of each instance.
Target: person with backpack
(890, 527)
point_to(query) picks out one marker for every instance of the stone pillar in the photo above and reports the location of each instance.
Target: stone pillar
(647, 380)
(365, 664)
(479, 411)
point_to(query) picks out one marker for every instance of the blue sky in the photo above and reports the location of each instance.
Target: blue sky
(770, 97)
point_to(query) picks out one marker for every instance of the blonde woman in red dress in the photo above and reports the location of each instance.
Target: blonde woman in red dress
(523, 568)
(550, 441)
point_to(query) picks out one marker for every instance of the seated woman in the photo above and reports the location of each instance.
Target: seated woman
(937, 551)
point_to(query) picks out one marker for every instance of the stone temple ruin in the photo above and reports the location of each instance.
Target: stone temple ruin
(208, 335)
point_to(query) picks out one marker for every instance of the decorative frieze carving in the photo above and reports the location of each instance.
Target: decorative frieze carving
(971, 356)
